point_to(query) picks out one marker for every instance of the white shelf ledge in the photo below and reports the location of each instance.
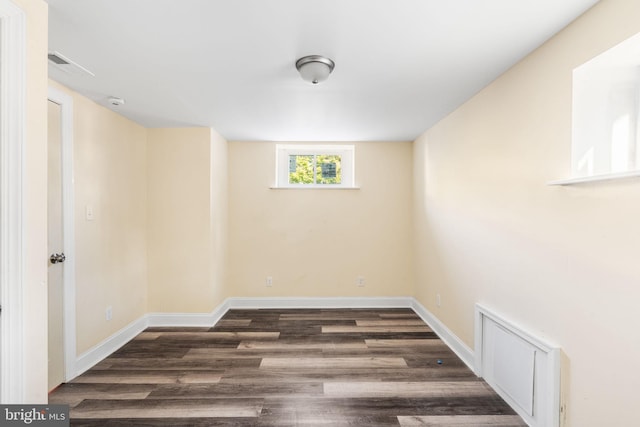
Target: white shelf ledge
(596, 178)
(314, 188)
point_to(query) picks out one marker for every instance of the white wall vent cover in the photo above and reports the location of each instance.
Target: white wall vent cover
(56, 59)
(523, 370)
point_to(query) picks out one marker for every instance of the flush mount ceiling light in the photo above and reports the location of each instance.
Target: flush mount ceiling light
(315, 68)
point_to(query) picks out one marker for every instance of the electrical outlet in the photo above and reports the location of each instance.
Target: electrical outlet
(88, 212)
(360, 281)
(108, 314)
(438, 300)
(269, 281)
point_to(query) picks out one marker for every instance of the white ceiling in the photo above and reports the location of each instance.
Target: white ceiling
(401, 65)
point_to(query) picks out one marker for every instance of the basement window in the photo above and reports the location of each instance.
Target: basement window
(314, 166)
(606, 115)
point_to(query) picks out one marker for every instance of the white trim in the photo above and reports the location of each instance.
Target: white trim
(315, 187)
(596, 178)
(12, 136)
(210, 319)
(100, 351)
(445, 334)
(329, 302)
(189, 319)
(68, 202)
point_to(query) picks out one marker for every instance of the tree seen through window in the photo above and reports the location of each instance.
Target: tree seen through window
(315, 169)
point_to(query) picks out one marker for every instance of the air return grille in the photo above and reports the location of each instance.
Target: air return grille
(59, 61)
(56, 59)
(523, 369)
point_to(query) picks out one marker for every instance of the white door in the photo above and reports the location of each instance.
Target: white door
(56, 249)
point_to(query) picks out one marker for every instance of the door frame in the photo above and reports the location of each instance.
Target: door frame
(65, 102)
(12, 255)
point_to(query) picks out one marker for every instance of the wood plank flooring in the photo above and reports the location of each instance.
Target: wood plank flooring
(338, 367)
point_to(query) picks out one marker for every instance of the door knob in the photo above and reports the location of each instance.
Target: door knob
(57, 258)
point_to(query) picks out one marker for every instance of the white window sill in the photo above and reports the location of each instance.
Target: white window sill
(596, 178)
(311, 187)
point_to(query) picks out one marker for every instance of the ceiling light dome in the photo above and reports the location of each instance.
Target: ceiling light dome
(315, 68)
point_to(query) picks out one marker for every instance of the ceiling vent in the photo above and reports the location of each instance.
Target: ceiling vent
(63, 63)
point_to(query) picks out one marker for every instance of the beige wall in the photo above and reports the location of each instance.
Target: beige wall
(35, 203)
(560, 261)
(158, 240)
(219, 217)
(179, 218)
(110, 176)
(314, 243)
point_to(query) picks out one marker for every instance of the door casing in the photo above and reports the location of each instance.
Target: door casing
(12, 256)
(68, 236)
(55, 279)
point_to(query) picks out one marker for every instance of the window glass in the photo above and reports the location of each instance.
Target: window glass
(328, 170)
(314, 166)
(301, 169)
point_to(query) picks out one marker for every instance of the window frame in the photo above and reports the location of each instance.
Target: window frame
(605, 140)
(347, 164)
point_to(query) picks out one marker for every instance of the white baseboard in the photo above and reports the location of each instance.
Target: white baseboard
(99, 352)
(94, 355)
(450, 339)
(188, 319)
(328, 302)
(210, 319)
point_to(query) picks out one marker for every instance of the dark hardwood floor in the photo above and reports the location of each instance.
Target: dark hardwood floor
(342, 367)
